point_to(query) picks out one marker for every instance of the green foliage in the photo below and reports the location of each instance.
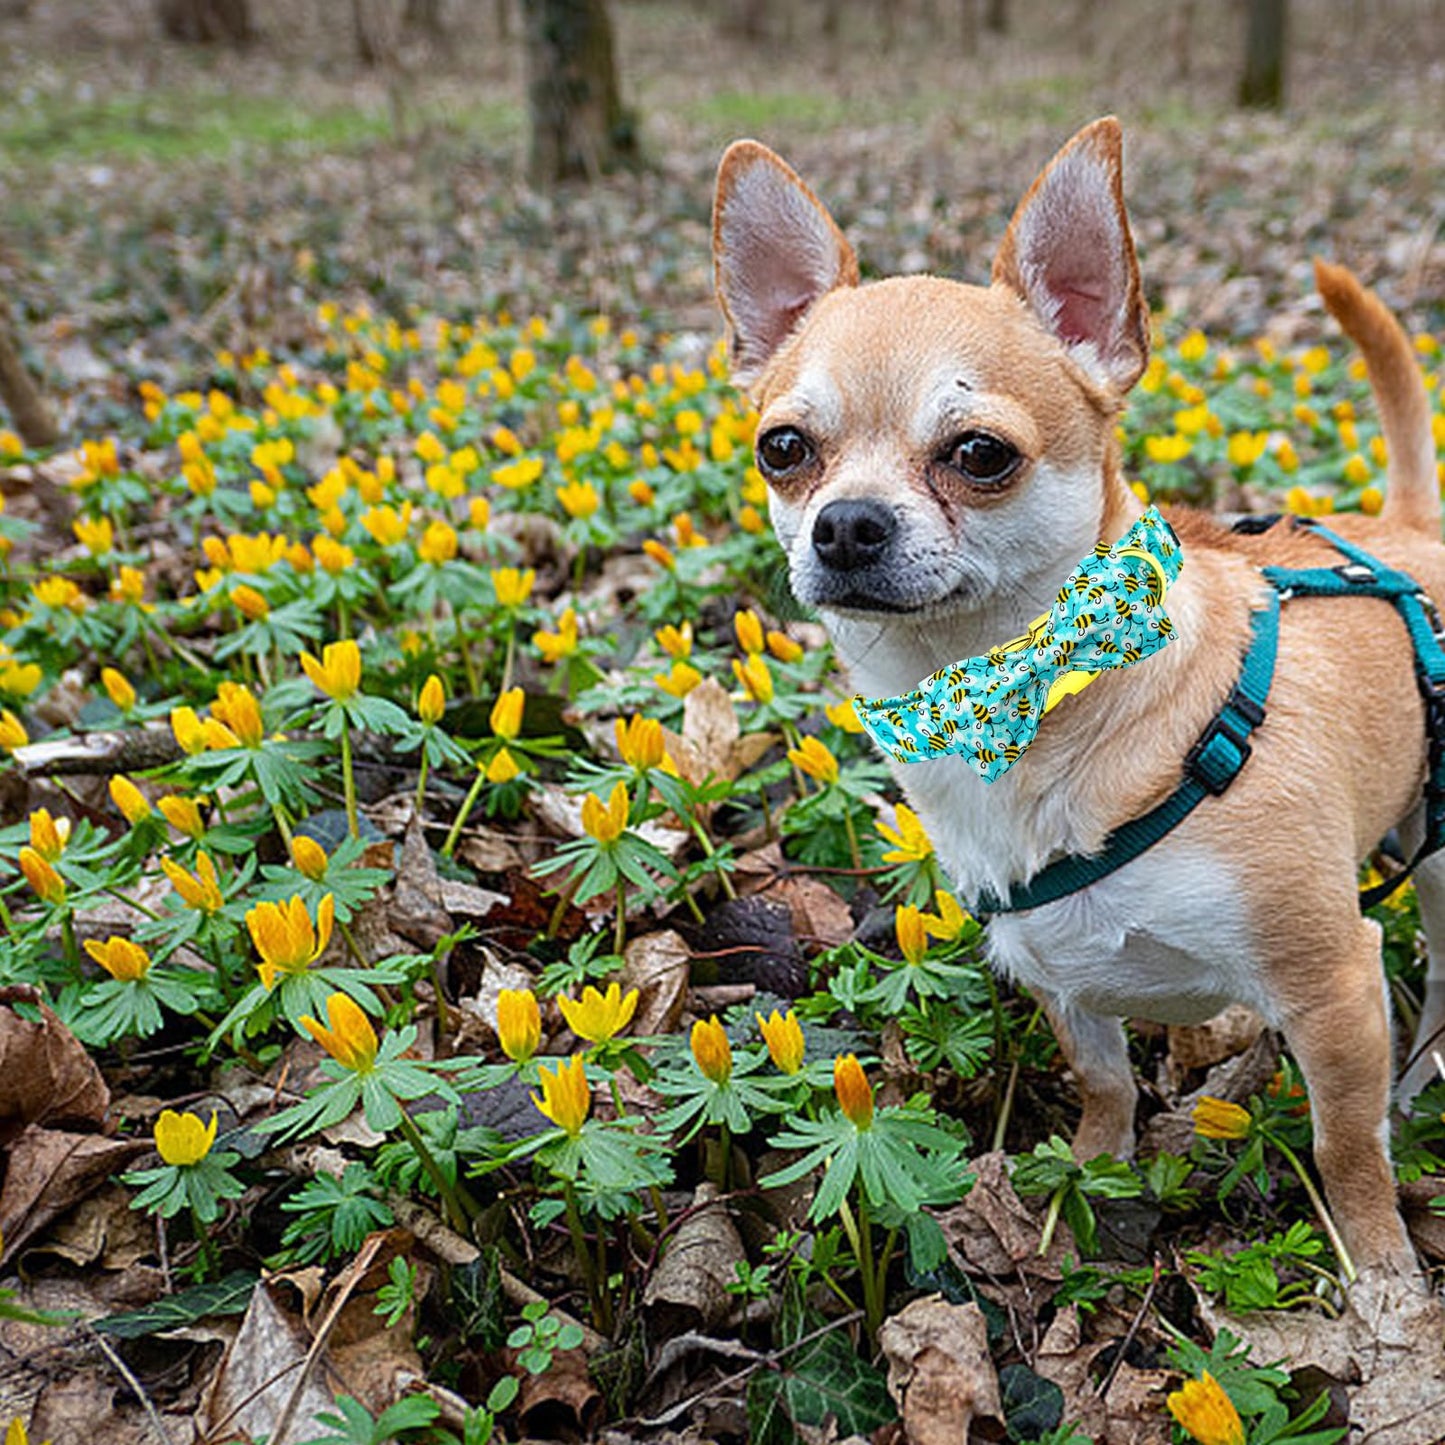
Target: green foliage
(540, 1336)
(1250, 1278)
(334, 1214)
(1050, 1169)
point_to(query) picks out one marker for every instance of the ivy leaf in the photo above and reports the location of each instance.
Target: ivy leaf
(228, 1296)
(820, 1382)
(1031, 1404)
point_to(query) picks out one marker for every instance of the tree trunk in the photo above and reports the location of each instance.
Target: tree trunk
(368, 51)
(19, 394)
(578, 124)
(423, 17)
(995, 17)
(207, 22)
(1262, 84)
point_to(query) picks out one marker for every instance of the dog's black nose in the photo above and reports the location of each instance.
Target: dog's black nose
(849, 535)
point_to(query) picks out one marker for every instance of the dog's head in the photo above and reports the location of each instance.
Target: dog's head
(930, 445)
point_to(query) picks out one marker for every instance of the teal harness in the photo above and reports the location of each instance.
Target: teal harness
(1223, 748)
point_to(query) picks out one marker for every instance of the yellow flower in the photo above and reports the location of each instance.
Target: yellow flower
(855, 1093)
(783, 647)
(640, 742)
(97, 537)
(1246, 448)
(949, 921)
(338, 674)
(679, 681)
(518, 474)
(712, 1051)
(1203, 1409)
(309, 857)
(503, 768)
(749, 628)
(385, 525)
(842, 715)
(129, 799)
(47, 884)
(813, 758)
(438, 544)
(507, 713)
(676, 642)
(333, 557)
(48, 836)
(190, 734)
(519, 1023)
(912, 935)
(605, 824)
(659, 554)
(237, 710)
(250, 604)
(12, 731)
(554, 646)
(505, 441)
(59, 592)
(117, 688)
(911, 844)
(1372, 500)
(513, 586)
(751, 520)
(579, 499)
(479, 513)
(182, 1139)
(783, 1035)
(348, 1037)
(596, 1016)
(1193, 347)
(641, 492)
(183, 814)
(200, 890)
(120, 958)
(1173, 448)
(754, 678)
(566, 1095)
(1219, 1119)
(432, 702)
(1357, 469)
(285, 938)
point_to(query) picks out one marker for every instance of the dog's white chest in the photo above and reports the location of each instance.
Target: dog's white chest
(1166, 937)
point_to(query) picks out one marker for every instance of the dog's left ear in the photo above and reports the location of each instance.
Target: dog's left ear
(776, 250)
(1069, 254)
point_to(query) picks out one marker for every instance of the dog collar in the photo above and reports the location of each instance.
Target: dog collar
(1109, 614)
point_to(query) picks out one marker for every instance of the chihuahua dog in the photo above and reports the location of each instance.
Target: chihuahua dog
(939, 457)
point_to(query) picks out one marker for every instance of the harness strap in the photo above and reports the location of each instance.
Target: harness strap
(1223, 747)
(1210, 767)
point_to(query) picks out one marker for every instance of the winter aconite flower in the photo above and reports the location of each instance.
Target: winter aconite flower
(908, 924)
(911, 843)
(855, 1093)
(118, 688)
(749, 629)
(350, 1038)
(712, 1051)
(597, 1017)
(503, 768)
(200, 890)
(46, 883)
(120, 958)
(129, 799)
(12, 732)
(783, 1035)
(431, 703)
(605, 824)
(554, 646)
(640, 742)
(338, 674)
(309, 857)
(507, 714)
(513, 586)
(519, 1023)
(48, 835)
(285, 938)
(1219, 1119)
(754, 678)
(566, 1095)
(182, 1139)
(1203, 1409)
(814, 758)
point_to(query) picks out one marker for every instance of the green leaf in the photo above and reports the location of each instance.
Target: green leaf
(1031, 1404)
(228, 1296)
(821, 1381)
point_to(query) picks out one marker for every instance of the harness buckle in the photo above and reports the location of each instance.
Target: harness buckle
(1223, 747)
(1356, 574)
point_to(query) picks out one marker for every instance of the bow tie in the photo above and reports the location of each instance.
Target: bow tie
(1109, 614)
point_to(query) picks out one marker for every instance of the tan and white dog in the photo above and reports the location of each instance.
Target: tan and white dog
(940, 456)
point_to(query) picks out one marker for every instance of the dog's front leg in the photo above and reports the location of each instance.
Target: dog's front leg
(1429, 1042)
(1098, 1054)
(1340, 1035)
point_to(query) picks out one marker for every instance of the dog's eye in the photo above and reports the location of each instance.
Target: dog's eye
(783, 450)
(982, 457)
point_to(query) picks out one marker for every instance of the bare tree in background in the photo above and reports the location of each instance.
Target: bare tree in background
(1262, 83)
(995, 17)
(579, 127)
(207, 22)
(18, 393)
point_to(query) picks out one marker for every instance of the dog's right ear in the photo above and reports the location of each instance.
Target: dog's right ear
(776, 250)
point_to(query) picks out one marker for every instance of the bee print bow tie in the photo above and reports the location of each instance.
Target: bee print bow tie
(1109, 614)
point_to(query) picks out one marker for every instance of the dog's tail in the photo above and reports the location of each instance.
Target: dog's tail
(1413, 497)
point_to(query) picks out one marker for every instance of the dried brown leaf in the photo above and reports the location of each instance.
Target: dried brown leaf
(688, 1290)
(46, 1075)
(940, 1374)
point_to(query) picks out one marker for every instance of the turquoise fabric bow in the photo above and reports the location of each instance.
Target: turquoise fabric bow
(1109, 614)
